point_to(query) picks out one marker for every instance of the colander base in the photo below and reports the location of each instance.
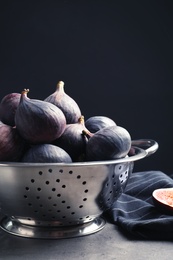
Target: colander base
(28, 231)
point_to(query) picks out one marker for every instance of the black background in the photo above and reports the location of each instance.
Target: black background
(115, 58)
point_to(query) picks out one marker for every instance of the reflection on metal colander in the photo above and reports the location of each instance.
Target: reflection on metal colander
(61, 200)
(114, 184)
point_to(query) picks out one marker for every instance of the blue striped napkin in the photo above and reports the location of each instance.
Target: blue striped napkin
(135, 212)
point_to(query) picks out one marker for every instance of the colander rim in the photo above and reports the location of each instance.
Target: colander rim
(139, 154)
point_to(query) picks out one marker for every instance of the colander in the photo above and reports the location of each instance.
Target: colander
(58, 200)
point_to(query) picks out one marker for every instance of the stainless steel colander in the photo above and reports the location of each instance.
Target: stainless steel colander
(44, 200)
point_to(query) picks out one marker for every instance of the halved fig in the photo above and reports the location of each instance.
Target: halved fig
(163, 199)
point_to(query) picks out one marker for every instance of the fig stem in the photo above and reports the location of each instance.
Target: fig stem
(60, 85)
(87, 133)
(81, 120)
(25, 91)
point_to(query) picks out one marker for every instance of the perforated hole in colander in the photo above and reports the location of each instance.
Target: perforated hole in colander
(113, 186)
(123, 177)
(55, 189)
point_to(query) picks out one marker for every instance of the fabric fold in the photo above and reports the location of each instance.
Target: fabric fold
(135, 211)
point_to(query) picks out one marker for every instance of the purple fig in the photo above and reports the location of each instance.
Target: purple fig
(12, 146)
(73, 141)
(109, 143)
(46, 153)
(38, 121)
(8, 107)
(68, 105)
(95, 123)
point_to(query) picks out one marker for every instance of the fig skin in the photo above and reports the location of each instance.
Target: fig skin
(38, 121)
(46, 153)
(67, 104)
(73, 141)
(8, 107)
(109, 143)
(95, 123)
(12, 145)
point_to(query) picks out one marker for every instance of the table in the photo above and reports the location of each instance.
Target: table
(109, 243)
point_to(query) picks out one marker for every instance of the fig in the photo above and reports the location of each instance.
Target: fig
(95, 123)
(67, 104)
(46, 153)
(73, 141)
(38, 121)
(163, 199)
(109, 143)
(12, 146)
(8, 107)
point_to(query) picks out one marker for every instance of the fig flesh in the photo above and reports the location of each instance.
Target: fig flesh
(12, 146)
(8, 107)
(46, 153)
(163, 199)
(109, 143)
(95, 123)
(67, 104)
(73, 141)
(38, 121)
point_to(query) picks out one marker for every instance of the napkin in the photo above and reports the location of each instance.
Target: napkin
(135, 212)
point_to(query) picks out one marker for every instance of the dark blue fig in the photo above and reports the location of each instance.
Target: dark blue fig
(38, 121)
(95, 123)
(8, 107)
(67, 104)
(73, 141)
(46, 153)
(12, 146)
(108, 143)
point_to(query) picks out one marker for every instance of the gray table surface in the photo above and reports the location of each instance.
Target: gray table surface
(109, 243)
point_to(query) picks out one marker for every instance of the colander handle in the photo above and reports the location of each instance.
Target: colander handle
(149, 145)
